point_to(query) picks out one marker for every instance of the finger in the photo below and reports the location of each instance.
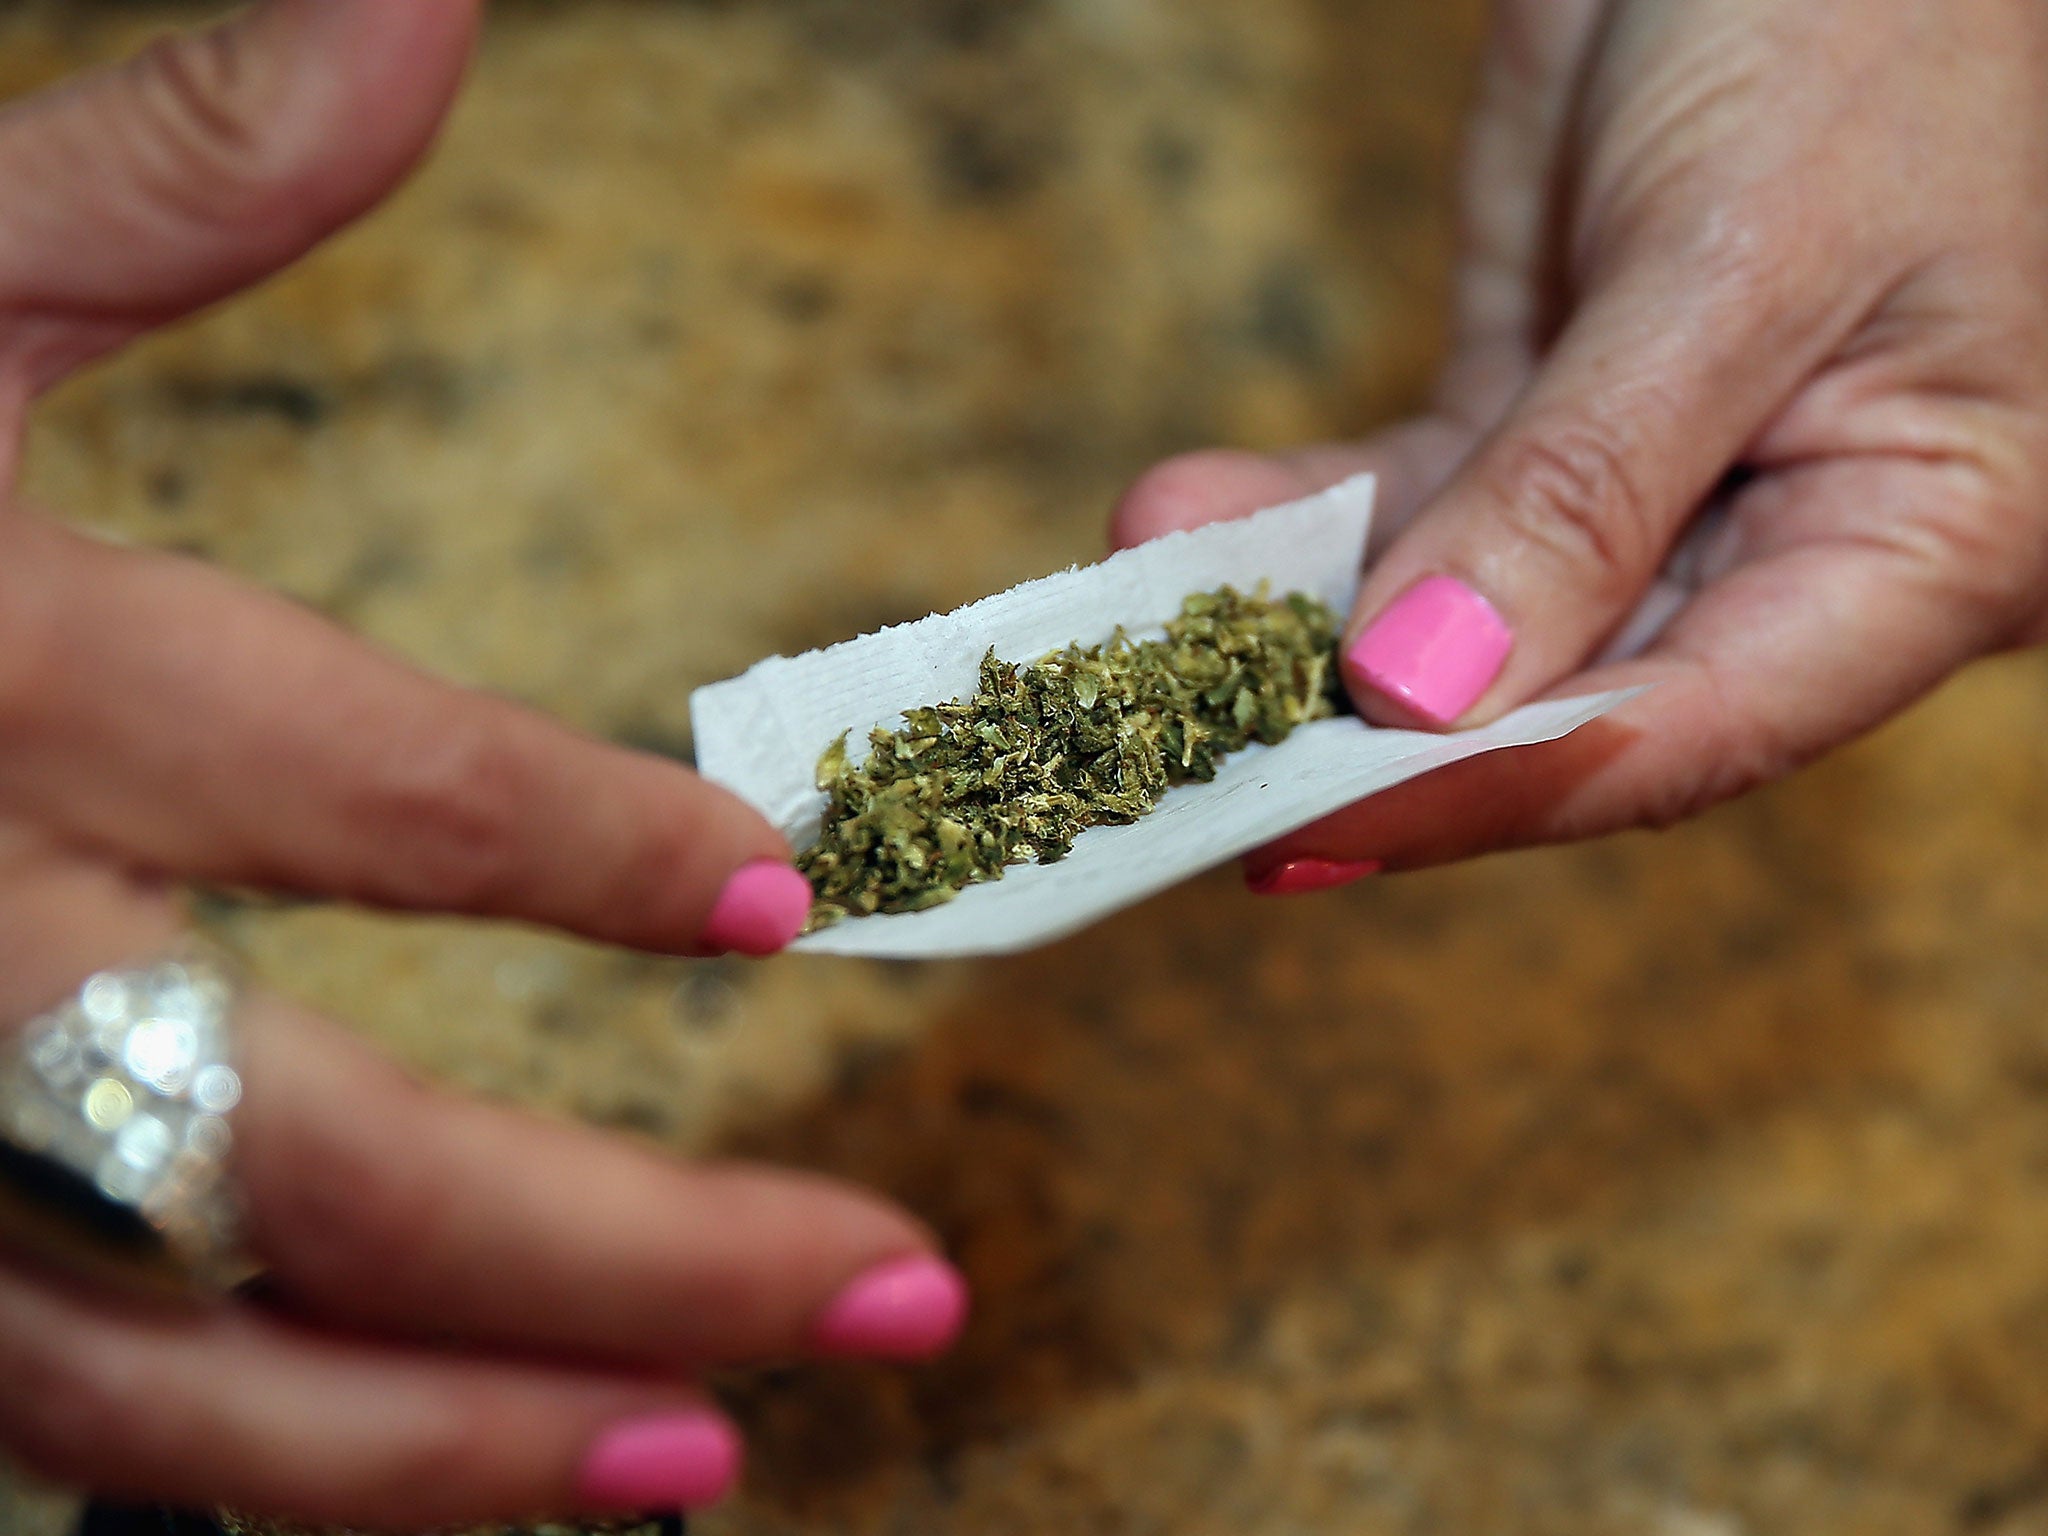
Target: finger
(386, 1205)
(1814, 638)
(260, 1414)
(379, 1203)
(1411, 460)
(1552, 530)
(140, 192)
(226, 735)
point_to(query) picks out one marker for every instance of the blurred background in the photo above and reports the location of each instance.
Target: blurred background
(1691, 1185)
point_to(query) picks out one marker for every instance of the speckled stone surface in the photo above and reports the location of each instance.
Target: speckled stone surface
(1687, 1185)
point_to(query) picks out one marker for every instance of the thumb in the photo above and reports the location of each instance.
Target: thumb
(211, 159)
(1547, 537)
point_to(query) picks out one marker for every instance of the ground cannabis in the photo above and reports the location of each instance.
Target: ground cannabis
(1044, 750)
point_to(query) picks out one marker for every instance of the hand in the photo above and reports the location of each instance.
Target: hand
(476, 1314)
(1780, 262)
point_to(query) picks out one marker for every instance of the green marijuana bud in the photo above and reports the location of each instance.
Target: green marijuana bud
(1045, 750)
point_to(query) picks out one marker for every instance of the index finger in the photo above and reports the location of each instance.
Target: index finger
(190, 724)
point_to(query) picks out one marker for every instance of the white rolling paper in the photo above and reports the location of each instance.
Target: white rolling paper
(760, 734)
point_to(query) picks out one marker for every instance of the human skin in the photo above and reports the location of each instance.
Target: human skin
(1753, 293)
(1801, 237)
(471, 1313)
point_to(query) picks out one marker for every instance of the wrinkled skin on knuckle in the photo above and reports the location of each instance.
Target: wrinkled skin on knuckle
(1991, 553)
(1757, 257)
(1977, 542)
(1569, 492)
(200, 129)
(1749, 750)
(1690, 793)
(1761, 258)
(1718, 747)
(444, 815)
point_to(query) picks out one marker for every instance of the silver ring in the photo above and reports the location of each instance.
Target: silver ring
(115, 1111)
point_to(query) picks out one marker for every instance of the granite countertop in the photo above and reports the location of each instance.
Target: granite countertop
(1688, 1185)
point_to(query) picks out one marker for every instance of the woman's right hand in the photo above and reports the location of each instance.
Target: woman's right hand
(473, 1313)
(1747, 402)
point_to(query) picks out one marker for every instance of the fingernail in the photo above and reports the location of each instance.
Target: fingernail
(1436, 648)
(669, 1461)
(762, 907)
(904, 1309)
(1297, 877)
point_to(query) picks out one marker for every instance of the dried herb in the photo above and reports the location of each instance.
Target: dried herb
(1044, 750)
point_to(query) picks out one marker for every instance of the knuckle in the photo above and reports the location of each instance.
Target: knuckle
(1570, 490)
(1991, 550)
(451, 804)
(1761, 753)
(1740, 768)
(199, 128)
(1982, 548)
(1763, 263)
(1741, 252)
(1760, 265)
(1750, 750)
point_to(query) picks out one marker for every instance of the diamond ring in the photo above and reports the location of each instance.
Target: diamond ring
(115, 1110)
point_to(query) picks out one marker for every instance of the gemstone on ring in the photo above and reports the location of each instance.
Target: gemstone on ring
(104, 999)
(216, 1089)
(108, 1103)
(114, 1128)
(162, 1053)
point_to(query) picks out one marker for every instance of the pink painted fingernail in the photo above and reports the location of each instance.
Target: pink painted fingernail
(1297, 877)
(904, 1309)
(762, 907)
(1436, 648)
(667, 1461)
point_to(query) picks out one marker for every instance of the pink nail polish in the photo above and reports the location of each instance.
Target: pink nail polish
(664, 1462)
(762, 907)
(1297, 877)
(904, 1309)
(1436, 648)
